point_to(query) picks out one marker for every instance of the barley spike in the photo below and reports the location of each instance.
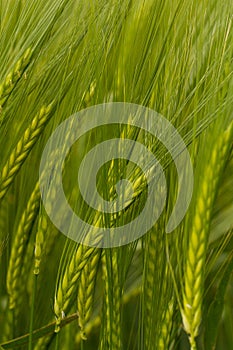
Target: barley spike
(86, 292)
(19, 245)
(198, 239)
(13, 77)
(22, 149)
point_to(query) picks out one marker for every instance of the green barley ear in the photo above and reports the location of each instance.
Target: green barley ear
(23, 148)
(42, 228)
(19, 245)
(199, 234)
(14, 76)
(86, 292)
(67, 286)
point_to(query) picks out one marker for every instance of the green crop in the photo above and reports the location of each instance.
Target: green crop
(163, 291)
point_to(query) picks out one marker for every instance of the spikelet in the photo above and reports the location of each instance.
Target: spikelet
(19, 245)
(13, 77)
(164, 337)
(40, 238)
(198, 239)
(86, 292)
(43, 343)
(88, 95)
(22, 149)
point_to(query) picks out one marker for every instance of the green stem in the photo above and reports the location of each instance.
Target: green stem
(193, 344)
(30, 346)
(38, 333)
(57, 341)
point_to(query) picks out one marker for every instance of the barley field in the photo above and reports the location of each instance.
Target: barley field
(156, 290)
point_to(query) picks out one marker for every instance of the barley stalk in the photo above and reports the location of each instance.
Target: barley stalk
(198, 239)
(86, 292)
(3, 218)
(22, 149)
(19, 245)
(4, 234)
(13, 77)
